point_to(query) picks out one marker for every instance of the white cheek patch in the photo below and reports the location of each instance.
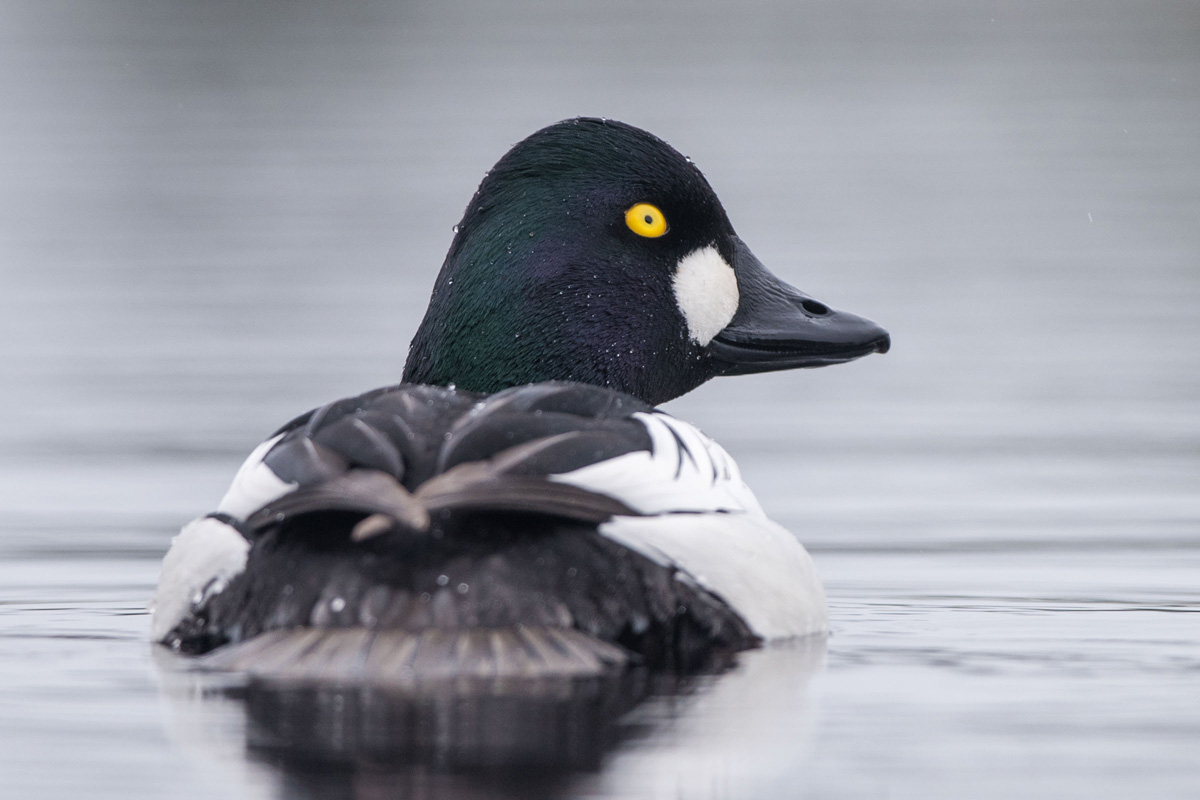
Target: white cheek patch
(707, 293)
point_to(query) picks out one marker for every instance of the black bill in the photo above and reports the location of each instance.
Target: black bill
(778, 327)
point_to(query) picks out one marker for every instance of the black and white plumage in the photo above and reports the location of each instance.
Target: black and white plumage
(547, 520)
(556, 506)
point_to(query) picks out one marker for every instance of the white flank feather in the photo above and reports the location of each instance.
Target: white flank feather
(750, 562)
(254, 485)
(684, 472)
(704, 520)
(203, 558)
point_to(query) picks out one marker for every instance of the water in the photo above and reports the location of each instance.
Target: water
(213, 217)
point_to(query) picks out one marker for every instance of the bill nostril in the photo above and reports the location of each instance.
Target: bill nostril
(814, 308)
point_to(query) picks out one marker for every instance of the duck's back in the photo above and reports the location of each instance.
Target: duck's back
(420, 531)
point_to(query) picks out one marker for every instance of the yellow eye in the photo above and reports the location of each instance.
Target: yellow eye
(646, 220)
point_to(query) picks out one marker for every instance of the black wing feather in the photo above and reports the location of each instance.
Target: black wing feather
(417, 435)
(422, 508)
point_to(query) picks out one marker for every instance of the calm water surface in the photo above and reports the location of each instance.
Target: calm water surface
(213, 217)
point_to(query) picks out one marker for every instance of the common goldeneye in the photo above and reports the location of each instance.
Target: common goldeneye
(517, 506)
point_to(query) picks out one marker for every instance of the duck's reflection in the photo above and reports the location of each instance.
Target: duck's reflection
(634, 734)
(564, 726)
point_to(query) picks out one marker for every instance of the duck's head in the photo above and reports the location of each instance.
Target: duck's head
(595, 252)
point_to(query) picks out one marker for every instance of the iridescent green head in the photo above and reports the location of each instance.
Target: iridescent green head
(595, 252)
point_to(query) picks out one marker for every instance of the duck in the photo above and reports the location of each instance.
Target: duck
(518, 505)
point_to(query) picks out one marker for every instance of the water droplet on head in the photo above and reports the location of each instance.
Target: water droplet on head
(337, 604)
(442, 580)
(463, 588)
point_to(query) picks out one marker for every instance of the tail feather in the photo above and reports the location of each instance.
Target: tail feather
(397, 658)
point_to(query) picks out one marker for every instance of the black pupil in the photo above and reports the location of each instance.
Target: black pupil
(649, 219)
